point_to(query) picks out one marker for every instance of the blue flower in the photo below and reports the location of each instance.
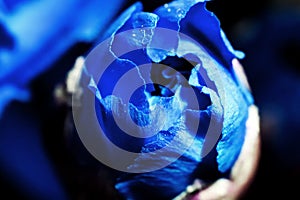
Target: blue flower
(222, 100)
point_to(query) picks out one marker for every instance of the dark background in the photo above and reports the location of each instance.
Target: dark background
(268, 32)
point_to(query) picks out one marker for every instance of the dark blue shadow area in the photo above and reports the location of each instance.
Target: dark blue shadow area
(24, 162)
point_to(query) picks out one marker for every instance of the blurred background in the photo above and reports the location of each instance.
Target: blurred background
(269, 34)
(39, 43)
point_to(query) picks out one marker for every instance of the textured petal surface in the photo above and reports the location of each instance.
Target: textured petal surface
(222, 107)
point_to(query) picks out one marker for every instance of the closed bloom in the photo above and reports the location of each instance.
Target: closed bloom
(172, 98)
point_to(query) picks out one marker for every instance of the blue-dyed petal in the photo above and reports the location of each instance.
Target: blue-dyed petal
(235, 114)
(170, 16)
(208, 33)
(121, 21)
(172, 179)
(238, 54)
(227, 111)
(133, 45)
(176, 10)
